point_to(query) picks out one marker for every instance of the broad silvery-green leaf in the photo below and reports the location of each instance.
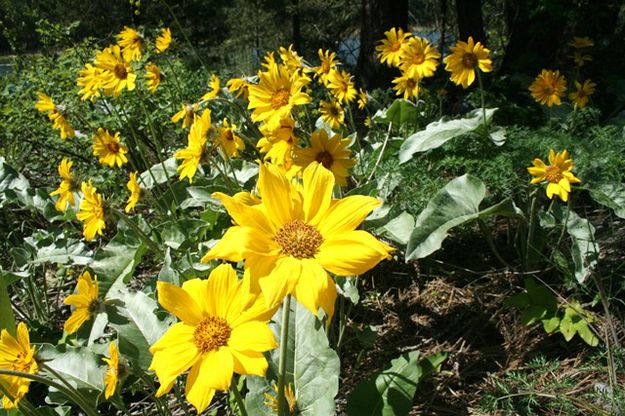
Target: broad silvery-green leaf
(399, 113)
(440, 132)
(457, 203)
(399, 228)
(147, 179)
(585, 250)
(611, 195)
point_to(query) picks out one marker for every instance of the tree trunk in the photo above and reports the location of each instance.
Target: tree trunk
(470, 21)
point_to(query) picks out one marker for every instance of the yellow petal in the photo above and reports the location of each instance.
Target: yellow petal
(280, 281)
(198, 393)
(346, 214)
(222, 285)
(198, 290)
(275, 192)
(252, 336)
(75, 321)
(318, 185)
(352, 253)
(312, 285)
(216, 370)
(249, 362)
(179, 303)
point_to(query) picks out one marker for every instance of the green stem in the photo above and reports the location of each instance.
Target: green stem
(23, 405)
(146, 239)
(530, 230)
(237, 396)
(489, 239)
(566, 221)
(479, 79)
(377, 162)
(175, 76)
(65, 382)
(284, 341)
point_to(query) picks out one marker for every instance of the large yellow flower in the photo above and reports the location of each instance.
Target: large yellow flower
(85, 302)
(55, 114)
(112, 370)
(215, 88)
(333, 153)
(328, 63)
(163, 40)
(389, 49)
(91, 212)
(582, 92)
(131, 43)
(186, 114)
(222, 330)
(465, 59)
(65, 191)
(228, 141)
(558, 174)
(135, 192)
(90, 81)
(548, 87)
(341, 86)
(16, 354)
(296, 235)
(332, 113)
(276, 94)
(152, 77)
(116, 72)
(407, 86)
(418, 58)
(192, 154)
(279, 143)
(110, 150)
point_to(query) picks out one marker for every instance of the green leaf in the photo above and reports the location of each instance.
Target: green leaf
(347, 287)
(457, 203)
(611, 195)
(550, 325)
(146, 179)
(7, 319)
(440, 132)
(585, 250)
(399, 113)
(399, 228)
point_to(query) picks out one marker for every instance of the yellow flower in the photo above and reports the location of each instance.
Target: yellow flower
(581, 58)
(465, 59)
(581, 43)
(186, 114)
(116, 73)
(558, 174)
(91, 211)
(229, 142)
(90, 79)
(112, 370)
(328, 63)
(332, 113)
(65, 191)
(16, 354)
(131, 43)
(289, 395)
(278, 143)
(407, 86)
(222, 330)
(389, 49)
(135, 192)
(163, 40)
(418, 58)
(333, 153)
(238, 86)
(85, 302)
(296, 235)
(152, 77)
(192, 154)
(45, 104)
(548, 87)
(362, 99)
(341, 86)
(276, 94)
(215, 87)
(290, 58)
(109, 149)
(579, 97)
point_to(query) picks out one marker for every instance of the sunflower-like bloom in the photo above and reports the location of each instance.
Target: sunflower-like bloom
(418, 58)
(238, 86)
(341, 86)
(278, 144)
(389, 49)
(65, 191)
(290, 58)
(215, 88)
(45, 104)
(333, 153)
(91, 212)
(109, 149)
(135, 192)
(152, 77)
(362, 99)
(192, 154)
(407, 86)
(116, 72)
(276, 94)
(558, 174)
(581, 43)
(465, 59)
(111, 376)
(548, 87)
(186, 114)
(90, 81)
(16, 354)
(328, 63)
(85, 302)
(582, 92)
(222, 330)
(228, 141)
(272, 400)
(580, 58)
(296, 235)
(131, 43)
(332, 113)
(163, 40)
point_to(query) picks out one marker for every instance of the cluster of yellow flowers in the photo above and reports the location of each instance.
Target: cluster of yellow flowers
(16, 354)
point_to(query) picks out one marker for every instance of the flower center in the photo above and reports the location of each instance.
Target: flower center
(211, 334)
(395, 46)
(325, 158)
(113, 147)
(280, 98)
(418, 58)
(22, 363)
(411, 84)
(298, 239)
(553, 174)
(95, 303)
(548, 90)
(325, 67)
(120, 71)
(469, 60)
(229, 136)
(333, 111)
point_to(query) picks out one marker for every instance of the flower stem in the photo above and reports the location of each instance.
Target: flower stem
(146, 239)
(479, 79)
(237, 396)
(530, 230)
(284, 341)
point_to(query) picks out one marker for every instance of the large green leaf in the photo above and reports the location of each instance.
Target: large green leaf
(612, 195)
(399, 228)
(156, 172)
(457, 203)
(440, 132)
(390, 392)
(312, 367)
(399, 113)
(584, 249)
